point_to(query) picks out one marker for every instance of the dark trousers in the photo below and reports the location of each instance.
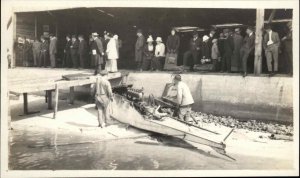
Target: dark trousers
(157, 63)
(146, 65)
(44, 56)
(82, 60)
(215, 65)
(244, 56)
(98, 62)
(186, 58)
(75, 60)
(226, 62)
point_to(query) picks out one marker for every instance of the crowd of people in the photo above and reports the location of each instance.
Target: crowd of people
(227, 52)
(99, 52)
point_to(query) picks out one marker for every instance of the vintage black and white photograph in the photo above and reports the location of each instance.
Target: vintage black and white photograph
(109, 88)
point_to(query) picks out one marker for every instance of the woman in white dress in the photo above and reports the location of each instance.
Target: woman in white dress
(112, 55)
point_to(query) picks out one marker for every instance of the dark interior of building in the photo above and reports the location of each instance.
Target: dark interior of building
(125, 22)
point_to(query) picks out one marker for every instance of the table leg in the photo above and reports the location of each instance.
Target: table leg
(25, 106)
(56, 102)
(71, 95)
(49, 99)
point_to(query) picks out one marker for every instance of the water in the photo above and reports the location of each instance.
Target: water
(32, 149)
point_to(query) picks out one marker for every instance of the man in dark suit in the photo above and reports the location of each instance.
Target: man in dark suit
(194, 50)
(44, 51)
(247, 48)
(82, 51)
(139, 49)
(67, 58)
(228, 51)
(97, 52)
(271, 45)
(74, 51)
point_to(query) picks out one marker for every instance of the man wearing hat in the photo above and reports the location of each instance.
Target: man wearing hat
(148, 54)
(139, 47)
(97, 52)
(228, 50)
(271, 45)
(247, 48)
(44, 51)
(159, 55)
(184, 98)
(237, 44)
(103, 98)
(53, 50)
(67, 61)
(74, 51)
(194, 50)
(288, 47)
(82, 51)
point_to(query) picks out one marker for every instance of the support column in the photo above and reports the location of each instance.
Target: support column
(258, 41)
(35, 26)
(56, 101)
(25, 103)
(14, 31)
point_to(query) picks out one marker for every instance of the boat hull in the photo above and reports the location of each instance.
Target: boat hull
(126, 113)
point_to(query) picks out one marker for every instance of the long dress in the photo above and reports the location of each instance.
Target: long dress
(112, 56)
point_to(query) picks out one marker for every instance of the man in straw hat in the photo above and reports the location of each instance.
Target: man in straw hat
(103, 98)
(194, 50)
(159, 55)
(247, 48)
(97, 52)
(271, 45)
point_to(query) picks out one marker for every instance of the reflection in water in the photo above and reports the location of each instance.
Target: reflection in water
(54, 150)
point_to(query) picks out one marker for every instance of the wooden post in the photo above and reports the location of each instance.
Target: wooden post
(258, 41)
(25, 103)
(56, 101)
(50, 99)
(35, 26)
(14, 29)
(71, 95)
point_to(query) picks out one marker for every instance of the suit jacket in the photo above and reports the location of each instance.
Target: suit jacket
(53, 46)
(68, 46)
(45, 46)
(194, 44)
(173, 42)
(82, 49)
(249, 43)
(205, 50)
(36, 46)
(74, 47)
(228, 45)
(147, 53)
(237, 42)
(275, 39)
(140, 42)
(98, 46)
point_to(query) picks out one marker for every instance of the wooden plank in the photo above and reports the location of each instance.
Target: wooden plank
(272, 15)
(258, 41)
(56, 101)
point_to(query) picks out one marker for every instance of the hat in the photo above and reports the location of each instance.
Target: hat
(139, 31)
(268, 27)
(214, 40)
(250, 28)
(150, 39)
(195, 32)
(103, 72)
(116, 36)
(158, 39)
(177, 77)
(95, 34)
(226, 30)
(205, 37)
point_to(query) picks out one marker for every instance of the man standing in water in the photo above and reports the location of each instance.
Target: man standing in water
(184, 98)
(103, 97)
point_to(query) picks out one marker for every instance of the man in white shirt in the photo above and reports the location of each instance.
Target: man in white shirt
(271, 46)
(184, 98)
(159, 55)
